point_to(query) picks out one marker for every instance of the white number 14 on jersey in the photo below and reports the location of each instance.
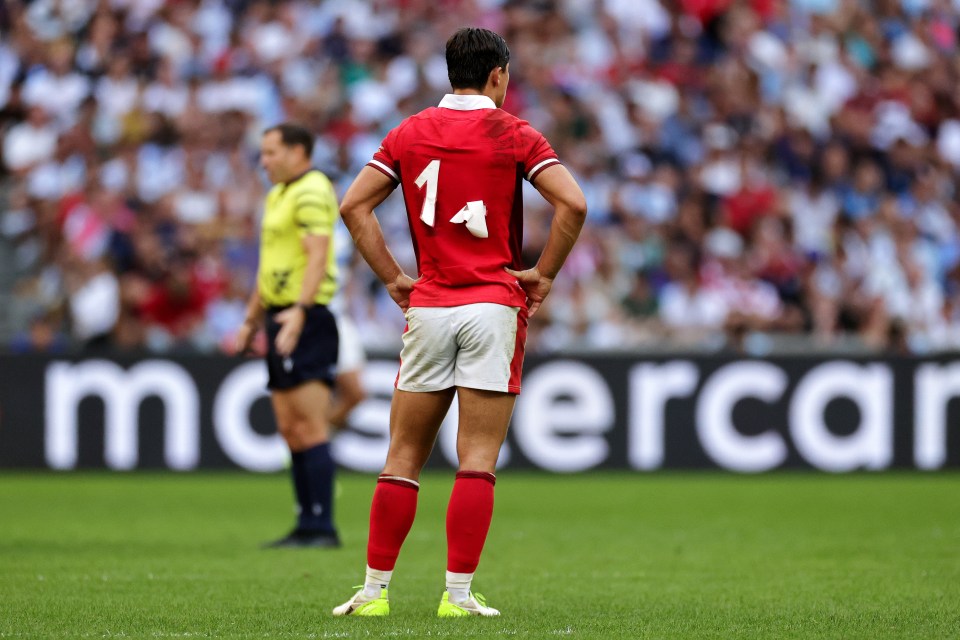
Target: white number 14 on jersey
(473, 214)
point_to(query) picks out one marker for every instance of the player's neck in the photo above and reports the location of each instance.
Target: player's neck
(298, 173)
(474, 92)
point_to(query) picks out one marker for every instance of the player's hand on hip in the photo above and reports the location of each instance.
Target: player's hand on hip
(291, 324)
(400, 290)
(535, 285)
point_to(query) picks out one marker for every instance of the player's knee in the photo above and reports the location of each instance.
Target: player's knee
(291, 436)
(407, 459)
(301, 434)
(286, 429)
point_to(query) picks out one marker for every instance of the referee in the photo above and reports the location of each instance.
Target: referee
(296, 279)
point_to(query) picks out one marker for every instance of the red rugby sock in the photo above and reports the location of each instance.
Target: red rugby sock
(391, 516)
(468, 519)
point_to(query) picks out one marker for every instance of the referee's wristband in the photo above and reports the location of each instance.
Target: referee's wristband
(303, 307)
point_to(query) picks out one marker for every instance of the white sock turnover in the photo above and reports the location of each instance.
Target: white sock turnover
(375, 581)
(458, 586)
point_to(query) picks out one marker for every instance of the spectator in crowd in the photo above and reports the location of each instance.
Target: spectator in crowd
(824, 134)
(30, 143)
(692, 312)
(40, 336)
(93, 301)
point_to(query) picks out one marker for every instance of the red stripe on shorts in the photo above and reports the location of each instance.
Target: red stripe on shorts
(516, 365)
(396, 380)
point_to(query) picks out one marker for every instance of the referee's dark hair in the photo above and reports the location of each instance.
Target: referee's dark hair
(293, 134)
(472, 54)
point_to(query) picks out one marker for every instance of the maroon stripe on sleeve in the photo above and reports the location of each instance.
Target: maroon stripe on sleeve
(539, 167)
(379, 167)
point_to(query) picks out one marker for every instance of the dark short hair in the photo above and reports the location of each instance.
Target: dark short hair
(472, 54)
(294, 135)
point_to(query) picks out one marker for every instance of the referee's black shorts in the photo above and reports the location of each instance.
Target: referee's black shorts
(315, 356)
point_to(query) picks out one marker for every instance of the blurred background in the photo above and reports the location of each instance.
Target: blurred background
(769, 275)
(763, 176)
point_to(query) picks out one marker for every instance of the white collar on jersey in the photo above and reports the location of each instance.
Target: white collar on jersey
(466, 102)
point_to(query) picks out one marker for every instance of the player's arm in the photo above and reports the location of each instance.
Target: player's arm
(559, 188)
(251, 321)
(316, 248)
(371, 188)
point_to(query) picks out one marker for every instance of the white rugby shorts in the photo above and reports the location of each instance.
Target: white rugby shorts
(478, 346)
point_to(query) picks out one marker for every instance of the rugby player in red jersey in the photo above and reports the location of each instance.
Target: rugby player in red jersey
(461, 166)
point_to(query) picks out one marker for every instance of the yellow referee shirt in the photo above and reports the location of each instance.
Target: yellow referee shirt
(305, 206)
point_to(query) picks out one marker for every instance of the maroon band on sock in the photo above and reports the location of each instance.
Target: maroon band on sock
(400, 482)
(481, 475)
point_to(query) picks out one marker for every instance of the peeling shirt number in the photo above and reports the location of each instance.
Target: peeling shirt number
(473, 214)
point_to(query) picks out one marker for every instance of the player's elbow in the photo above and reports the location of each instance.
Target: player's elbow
(351, 211)
(577, 207)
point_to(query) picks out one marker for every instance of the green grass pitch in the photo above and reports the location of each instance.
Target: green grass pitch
(606, 555)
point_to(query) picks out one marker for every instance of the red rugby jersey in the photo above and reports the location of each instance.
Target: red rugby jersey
(460, 166)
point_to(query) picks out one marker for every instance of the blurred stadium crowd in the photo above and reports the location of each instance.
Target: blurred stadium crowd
(758, 172)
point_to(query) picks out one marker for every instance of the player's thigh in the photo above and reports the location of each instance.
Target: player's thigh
(429, 351)
(484, 420)
(282, 411)
(306, 404)
(490, 353)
